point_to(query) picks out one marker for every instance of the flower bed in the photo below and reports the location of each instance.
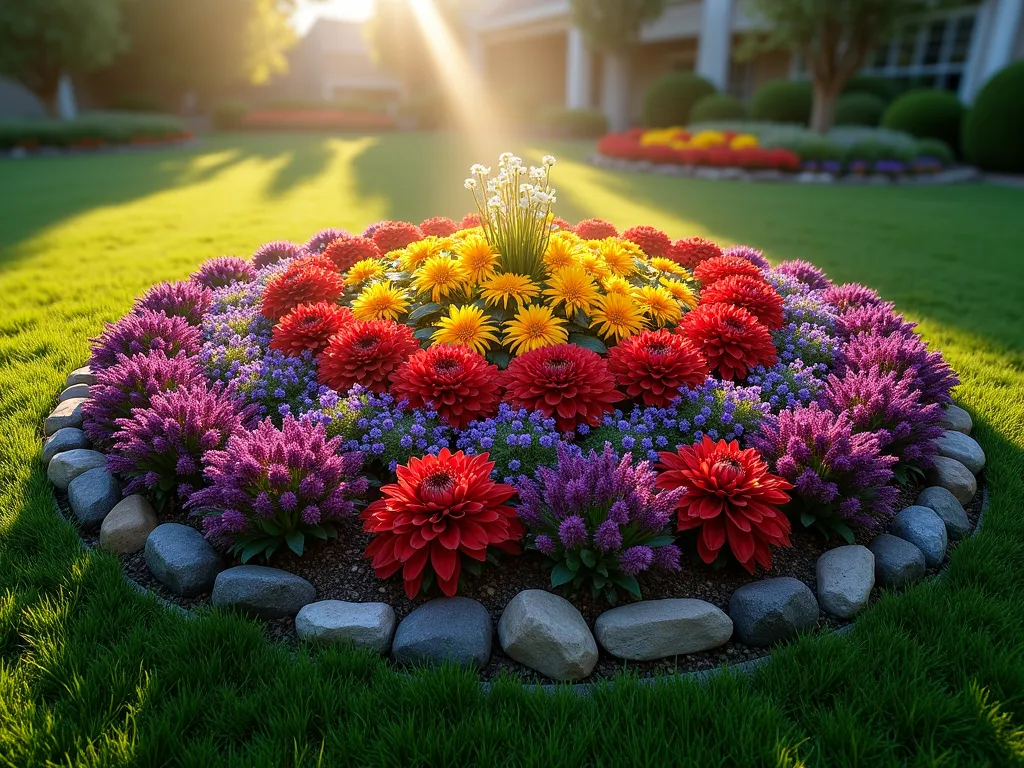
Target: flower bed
(91, 132)
(511, 407)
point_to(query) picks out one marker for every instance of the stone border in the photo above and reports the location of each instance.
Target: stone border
(956, 175)
(538, 629)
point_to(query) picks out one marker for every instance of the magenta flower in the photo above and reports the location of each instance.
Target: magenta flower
(850, 296)
(879, 319)
(752, 255)
(224, 270)
(907, 357)
(806, 273)
(318, 242)
(271, 253)
(143, 332)
(182, 299)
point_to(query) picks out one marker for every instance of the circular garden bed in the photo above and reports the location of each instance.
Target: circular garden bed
(613, 448)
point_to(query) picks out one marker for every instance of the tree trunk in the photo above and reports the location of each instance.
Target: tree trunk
(824, 105)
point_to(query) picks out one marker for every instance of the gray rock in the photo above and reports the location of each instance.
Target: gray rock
(365, 625)
(925, 530)
(845, 577)
(92, 495)
(657, 629)
(83, 375)
(772, 610)
(546, 633)
(954, 477)
(897, 561)
(181, 559)
(68, 413)
(73, 392)
(65, 439)
(956, 418)
(66, 466)
(266, 593)
(963, 448)
(947, 508)
(446, 629)
(128, 525)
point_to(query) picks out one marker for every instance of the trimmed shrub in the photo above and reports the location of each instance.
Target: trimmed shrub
(91, 130)
(995, 124)
(574, 123)
(882, 87)
(927, 114)
(229, 115)
(717, 106)
(859, 109)
(670, 99)
(935, 148)
(783, 101)
(138, 102)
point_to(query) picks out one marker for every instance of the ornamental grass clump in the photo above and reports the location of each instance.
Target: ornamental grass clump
(270, 488)
(517, 440)
(599, 521)
(224, 271)
(142, 332)
(907, 357)
(184, 298)
(879, 320)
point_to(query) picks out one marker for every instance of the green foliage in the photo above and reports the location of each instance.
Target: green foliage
(229, 115)
(574, 123)
(995, 123)
(883, 87)
(108, 127)
(935, 148)
(717, 106)
(782, 101)
(859, 109)
(614, 25)
(671, 97)
(927, 114)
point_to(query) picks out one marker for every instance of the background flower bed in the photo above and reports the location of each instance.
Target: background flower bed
(92, 131)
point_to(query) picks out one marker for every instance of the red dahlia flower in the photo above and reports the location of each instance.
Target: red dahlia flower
(307, 281)
(561, 224)
(439, 226)
(714, 269)
(730, 338)
(309, 326)
(731, 497)
(365, 353)
(457, 382)
(571, 383)
(441, 508)
(752, 293)
(653, 242)
(395, 235)
(653, 365)
(469, 221)
(691, 251)
(347, 251)
(596, 229)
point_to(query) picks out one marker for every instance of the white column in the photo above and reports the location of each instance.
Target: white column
(577, 70)
(1005, 28)
(615, 91)
(67, 108)
(714, 45)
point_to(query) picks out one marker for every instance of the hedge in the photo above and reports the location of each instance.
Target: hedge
(927, 114)
(859, 109)
(782, 101)
(717, 106)
(882, 87)
(994, 127)
(670, 99)
(91, 131)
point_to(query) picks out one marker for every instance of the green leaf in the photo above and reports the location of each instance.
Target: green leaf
(423, 311)
(572, 560)
(561, 574)
(602, 569)
(499, 357)
(844, 530)
(317, 532)
(273, 528)
(250, 550)
(581, 319)
(296, 542)
(588, 342)
(588, 558)
(424, 334)
(497, 314)
(599, 583)
(628, 583)
(807, 519)
(661, 541)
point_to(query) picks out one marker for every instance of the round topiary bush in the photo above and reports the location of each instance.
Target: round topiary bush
(859, 109)
(782, 101)
(718, 106)
(671, 97)
(995, 124)
(935, 148)
(882, 87)
(927, 114)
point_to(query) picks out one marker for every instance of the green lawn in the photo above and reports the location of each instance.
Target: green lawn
(91, 673)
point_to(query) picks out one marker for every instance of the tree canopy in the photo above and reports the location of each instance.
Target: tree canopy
(614, 25)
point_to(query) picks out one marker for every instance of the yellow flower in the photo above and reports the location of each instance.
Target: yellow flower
(617, 257)
(595, 266)
(617, 317)
(658, 304)
(743, 141)
(573, 286)
(414, 254)
(380, 301)
(467, 326)
(707, 139)
(462, 234)
(534, 327)
(477, 257)
(503, 287)
(616, 284)
(364, 270)
(440, 276)
(681, 292)
(667, 265)
(564, 249)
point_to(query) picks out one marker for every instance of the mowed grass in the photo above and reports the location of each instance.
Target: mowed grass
(92, 673)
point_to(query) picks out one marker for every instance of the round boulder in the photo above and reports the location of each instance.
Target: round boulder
(74, 391)
(545, 632)
(956, 418)
(658, 629)
(68, 413)
(365, 625)
(83, 375)
(67, 465)
(128, 525)
(66, 439)
(963, 448)
(266, 593)
(446, 629)
(92, 495)
(181, 559)
(925, 530)
(954, 477)
(845, 577)
(772, 610)
(897, 561)
(948, 509)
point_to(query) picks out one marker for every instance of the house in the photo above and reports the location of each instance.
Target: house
(534, 43)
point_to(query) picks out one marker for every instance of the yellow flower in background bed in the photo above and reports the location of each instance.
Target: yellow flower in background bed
(564, 249)
(573, 286)
(658, 304)
(662, 264)
(660, 136)
(534, 327)
(595, 266)
(616, 256)
(502, 288)
(707, 140)
(681, 292)
(439, 276)
(380, 301)
(467, 326)
(744, 141)
(415, 254)
(616, 284)
(617, 317)
(477, 257)
(364, 270)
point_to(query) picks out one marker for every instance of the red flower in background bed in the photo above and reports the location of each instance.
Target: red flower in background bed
(731, 497)
(691, 251)
(347, 251)
(730, 338)
(653, 242)
(469, 221)
(307, 281)
(457, 382)
(751, 293)
(395, 235)
(596, 229)
(570, 383)
(309, 326)
(653, 365)
(441, 508)
(365, 353)
(716, 268)
(439, 226)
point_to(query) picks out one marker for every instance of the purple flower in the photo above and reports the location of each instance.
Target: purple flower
(573, 532)
(806, 273)
(787, 385)
(880, 319)
(907, 357)
(318, 242)
(636, 560)
(271, 253)
(752, 255)
(143, 332)
(182, 299)
(850, 296)
(223, 271)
